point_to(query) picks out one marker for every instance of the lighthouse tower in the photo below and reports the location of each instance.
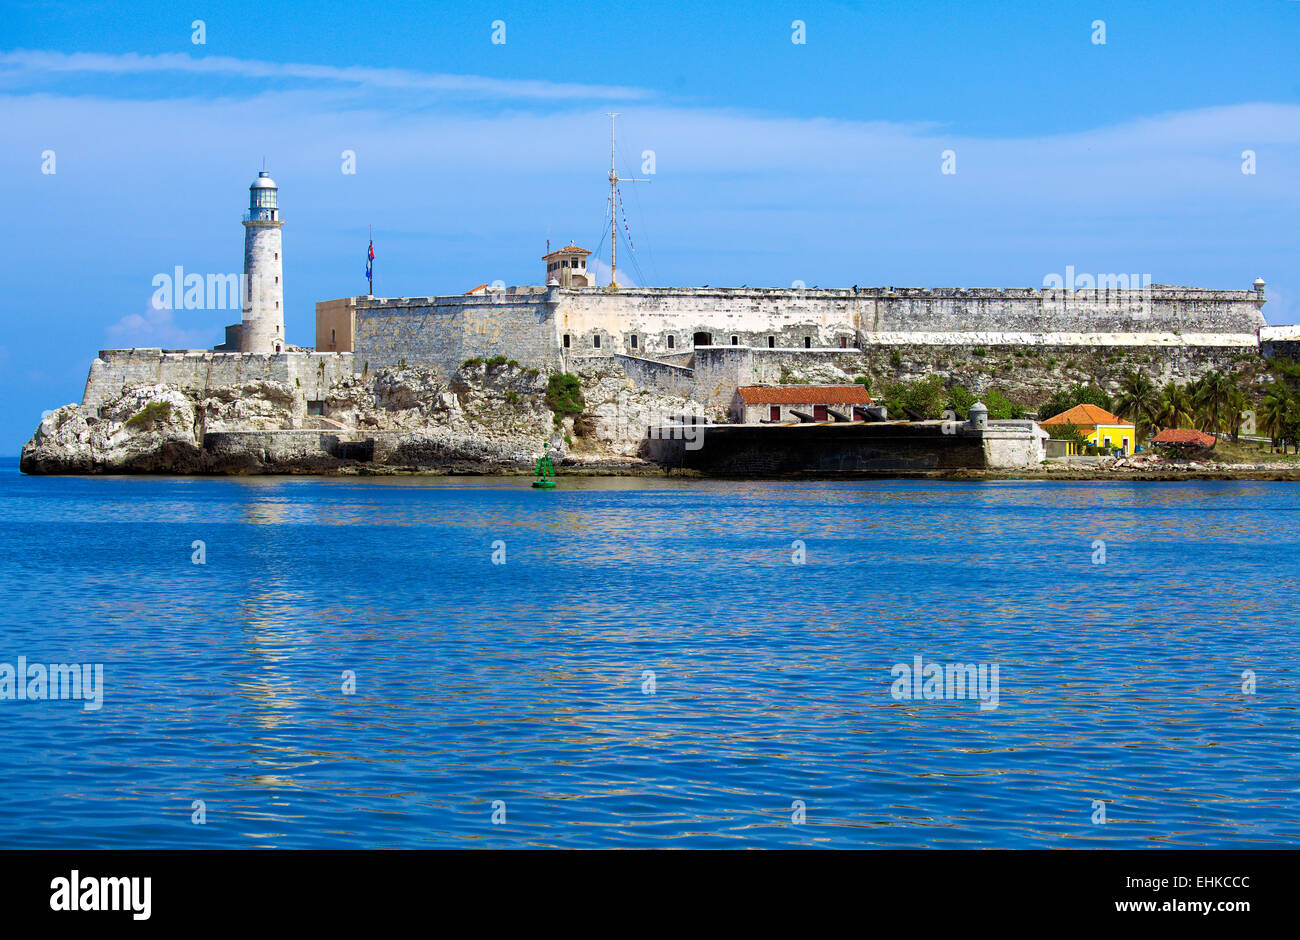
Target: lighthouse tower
(263, 327)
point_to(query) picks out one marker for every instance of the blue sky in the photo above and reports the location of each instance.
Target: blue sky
(774, 161)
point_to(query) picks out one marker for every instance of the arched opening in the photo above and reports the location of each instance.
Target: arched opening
(703, 339)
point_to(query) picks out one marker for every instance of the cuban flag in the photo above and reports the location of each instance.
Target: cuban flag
(370, 261)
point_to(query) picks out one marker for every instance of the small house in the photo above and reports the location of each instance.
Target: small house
(1098, 426)
(766, 404)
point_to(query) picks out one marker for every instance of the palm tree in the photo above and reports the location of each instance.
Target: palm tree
(1175, 406)
(1274, 414)
(1211, 398)
(1237, 404)
(1138, 400)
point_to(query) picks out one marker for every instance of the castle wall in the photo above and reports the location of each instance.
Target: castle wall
(1184, 331)
(1280, 342)
(443, 332)
(837, 319)
(659, 376)
(309, 374)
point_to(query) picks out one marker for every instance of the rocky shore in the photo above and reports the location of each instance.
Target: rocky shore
(489, 418)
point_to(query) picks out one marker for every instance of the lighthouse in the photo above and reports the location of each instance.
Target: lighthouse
(263, 326)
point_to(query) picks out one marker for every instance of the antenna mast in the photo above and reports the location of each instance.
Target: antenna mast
(614, 180)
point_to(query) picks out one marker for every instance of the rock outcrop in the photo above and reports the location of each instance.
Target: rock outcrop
(489, 417)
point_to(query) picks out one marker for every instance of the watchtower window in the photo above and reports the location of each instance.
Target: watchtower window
(735, 341)
(807, 342)
(634, 341)
(771, 342)
(595, 341)
(566, 340)
(671, 342)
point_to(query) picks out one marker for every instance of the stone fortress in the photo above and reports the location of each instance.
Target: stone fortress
(695, 345)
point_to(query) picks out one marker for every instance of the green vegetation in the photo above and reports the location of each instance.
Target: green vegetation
(1138, 401)
(1279, 415)
(865, 381)
(564, 395)
(1220, 402)
(471, 363)
(896, 359)
(1000, 407)
(156, 412)
(928, 398)
(925, 397)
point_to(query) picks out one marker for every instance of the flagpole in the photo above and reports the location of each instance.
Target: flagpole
(370, 265)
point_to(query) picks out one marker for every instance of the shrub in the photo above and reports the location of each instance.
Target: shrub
(979, 351)
(152, 413)
(564, 395)
(1001, 408)
(496, 361)
(924, 396)
(865, 381)
(960, 399)
(896, 359)
(471, 363)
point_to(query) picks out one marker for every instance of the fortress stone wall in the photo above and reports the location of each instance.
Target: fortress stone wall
(198, 371)
(443, 332)
(550, 327)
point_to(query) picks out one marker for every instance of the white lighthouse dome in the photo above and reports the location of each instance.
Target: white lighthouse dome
(263, 181)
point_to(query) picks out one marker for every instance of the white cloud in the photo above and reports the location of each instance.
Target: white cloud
(28, 61)
(156, 328)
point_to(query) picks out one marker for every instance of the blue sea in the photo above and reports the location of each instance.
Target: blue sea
(467, 662)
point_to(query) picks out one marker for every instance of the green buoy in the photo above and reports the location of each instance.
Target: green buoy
(545, 471)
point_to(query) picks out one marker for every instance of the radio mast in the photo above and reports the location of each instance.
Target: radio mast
(614, 180)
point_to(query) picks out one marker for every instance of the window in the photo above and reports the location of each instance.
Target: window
(566, 341)
(634, 341)
(771, 342)
(331, 337)
(277, 279)
(277, 256)
(774, 413)
(315, 407)
(277, 305)
(595, 341)
(807, 342)
(844, 342)
(671, 342)
(735, 341)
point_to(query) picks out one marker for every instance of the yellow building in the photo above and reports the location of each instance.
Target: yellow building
(1098, 426)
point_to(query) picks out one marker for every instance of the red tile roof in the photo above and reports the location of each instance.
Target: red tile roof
(1084, 416)
(804, 395)
(1184, 436)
